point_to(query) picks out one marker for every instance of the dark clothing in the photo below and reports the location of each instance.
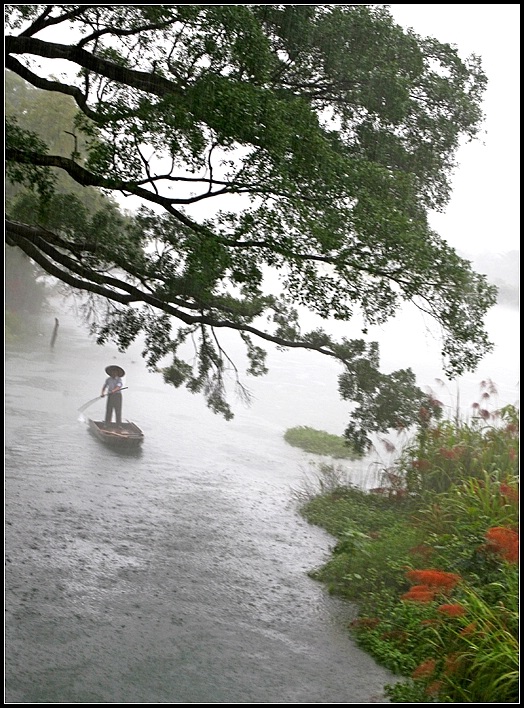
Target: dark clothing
(114, 403)
(114, 400)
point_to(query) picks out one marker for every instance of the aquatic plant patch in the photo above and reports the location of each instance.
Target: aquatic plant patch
(319, 442)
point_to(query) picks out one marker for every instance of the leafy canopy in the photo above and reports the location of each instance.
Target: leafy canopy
(309, 141)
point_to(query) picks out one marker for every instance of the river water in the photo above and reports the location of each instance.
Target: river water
(177, 575)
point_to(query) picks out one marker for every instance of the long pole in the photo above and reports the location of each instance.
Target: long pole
(89, 403)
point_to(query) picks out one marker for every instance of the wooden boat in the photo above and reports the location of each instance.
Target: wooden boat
(122, 436)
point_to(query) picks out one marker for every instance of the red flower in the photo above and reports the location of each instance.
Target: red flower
(469, 629)
(424, 670)
(452, 663)
(419, 595)
(365, 623)
(509, 493)
(447, 454)
(433, 688)
(505, 542)
(424, 414)
(452, 610)
(435, 579)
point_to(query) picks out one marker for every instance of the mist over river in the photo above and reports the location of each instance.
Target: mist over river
(179, 574)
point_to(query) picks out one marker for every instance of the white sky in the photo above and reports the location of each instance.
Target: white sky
(483, 214)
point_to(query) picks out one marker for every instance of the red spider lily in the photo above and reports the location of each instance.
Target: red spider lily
(453, 662)
(420, 464)
(419, 595)
(435, 403)
(453, 453)
(469, 629)
(424, 414)
(505, 542)
(433, 688)
(447, 454)
(364, 623)
(489, 386)
(424, 670)
(436, 579)
(452, 610)
(510, 494)
(420, 588)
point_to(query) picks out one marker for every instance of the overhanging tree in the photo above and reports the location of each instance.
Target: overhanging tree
(307, 140)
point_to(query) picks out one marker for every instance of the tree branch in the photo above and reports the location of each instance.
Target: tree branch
(41, 22)
(30, 240)
(141, 80)
(15, 66)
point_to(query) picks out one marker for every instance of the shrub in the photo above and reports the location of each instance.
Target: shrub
(435, 570)
(447, 453)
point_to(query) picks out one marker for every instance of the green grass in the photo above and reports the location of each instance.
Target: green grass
(319, 442)
(457, 643)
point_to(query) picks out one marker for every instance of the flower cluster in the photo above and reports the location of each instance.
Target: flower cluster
(454, 610)
(504, 542)
(428, 584)
(419, 593)
(435, 579)
(425, 669)
(510, 494)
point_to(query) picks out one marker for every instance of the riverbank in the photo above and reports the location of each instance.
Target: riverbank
(432, 561)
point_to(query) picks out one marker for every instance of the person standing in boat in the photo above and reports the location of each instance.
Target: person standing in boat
(112, 387)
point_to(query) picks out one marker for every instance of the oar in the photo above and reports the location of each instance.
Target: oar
(89, 403)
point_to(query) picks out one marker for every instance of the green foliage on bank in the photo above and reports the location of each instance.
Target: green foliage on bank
(319, 442)
(431, 558)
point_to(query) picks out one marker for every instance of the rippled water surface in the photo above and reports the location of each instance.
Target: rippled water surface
(177, 575)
